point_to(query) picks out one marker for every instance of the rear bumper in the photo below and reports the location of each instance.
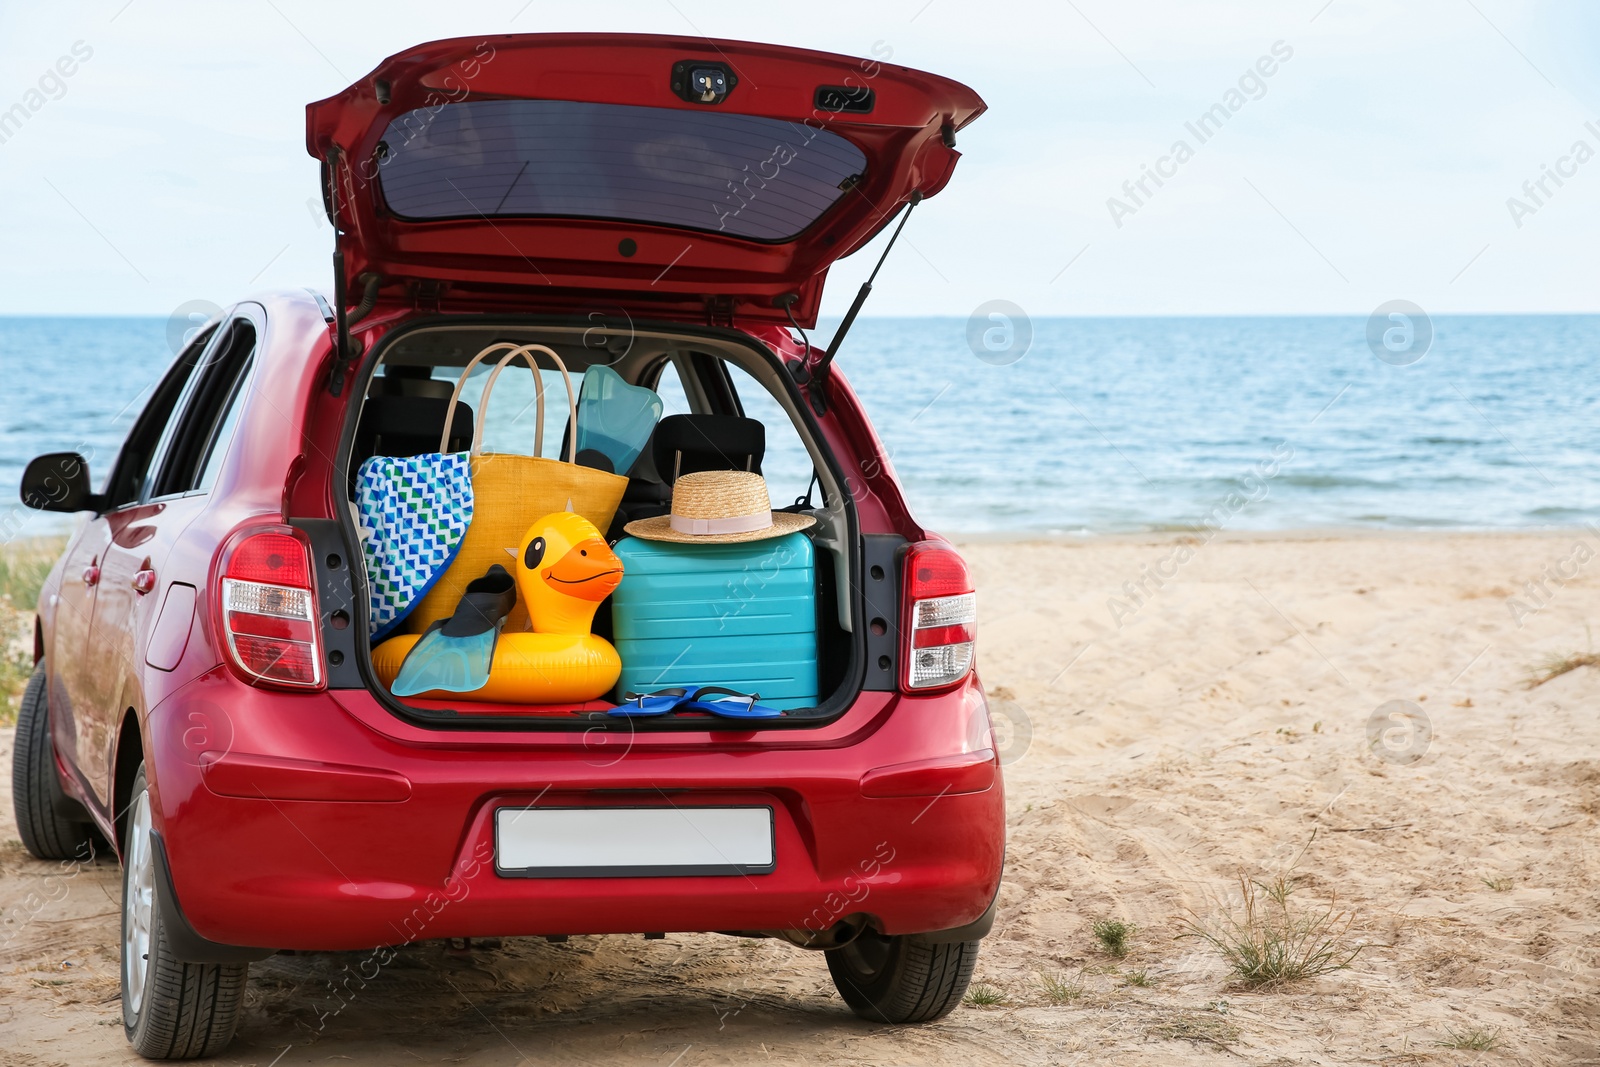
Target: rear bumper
(305, 822)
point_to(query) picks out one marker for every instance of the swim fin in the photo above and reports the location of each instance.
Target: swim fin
(454, 655)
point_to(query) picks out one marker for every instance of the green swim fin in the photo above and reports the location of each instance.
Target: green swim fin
(455, 654)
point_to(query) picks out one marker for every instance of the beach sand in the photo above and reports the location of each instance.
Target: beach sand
(1157, 751)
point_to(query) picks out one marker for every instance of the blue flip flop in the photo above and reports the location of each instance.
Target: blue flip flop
(728, 704)
(650, 705)
(708, 699)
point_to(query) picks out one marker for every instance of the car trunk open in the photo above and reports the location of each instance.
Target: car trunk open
(424, 358)
(670, 177)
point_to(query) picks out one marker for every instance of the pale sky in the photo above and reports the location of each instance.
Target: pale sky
(1375, 163)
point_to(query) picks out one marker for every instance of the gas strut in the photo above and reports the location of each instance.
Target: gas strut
(818, 377)
(346, 349)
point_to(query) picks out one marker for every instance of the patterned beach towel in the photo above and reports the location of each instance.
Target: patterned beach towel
(413, 512)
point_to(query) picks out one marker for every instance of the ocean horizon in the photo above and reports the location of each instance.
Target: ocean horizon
(1096, 425)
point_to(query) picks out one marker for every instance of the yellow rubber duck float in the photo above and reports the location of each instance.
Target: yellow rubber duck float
(563, 570)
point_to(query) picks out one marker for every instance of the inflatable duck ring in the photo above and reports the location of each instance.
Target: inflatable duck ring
(564, 569)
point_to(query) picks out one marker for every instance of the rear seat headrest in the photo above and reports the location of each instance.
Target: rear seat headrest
(683, 444)
(399, 425)
(398, 380)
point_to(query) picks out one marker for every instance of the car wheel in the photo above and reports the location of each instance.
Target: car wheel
(902, 979)
(44, 815)
(171, 1010)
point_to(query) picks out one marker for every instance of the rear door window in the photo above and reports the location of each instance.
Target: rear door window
(206, 410)
(787, 465)
(218, 449)
(674, 401)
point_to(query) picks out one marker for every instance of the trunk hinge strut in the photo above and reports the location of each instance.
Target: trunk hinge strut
(817, 377)
(346, 349)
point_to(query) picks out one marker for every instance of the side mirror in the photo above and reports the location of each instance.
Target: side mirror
(58, 481)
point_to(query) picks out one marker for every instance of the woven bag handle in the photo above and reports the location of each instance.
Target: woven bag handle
(455, 394)
(526, 352)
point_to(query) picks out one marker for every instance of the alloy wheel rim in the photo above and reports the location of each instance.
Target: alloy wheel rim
(138, 905)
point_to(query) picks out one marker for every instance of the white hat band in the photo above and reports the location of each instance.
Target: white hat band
(730, 524)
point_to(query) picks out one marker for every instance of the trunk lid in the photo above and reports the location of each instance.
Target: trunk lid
(666, 175)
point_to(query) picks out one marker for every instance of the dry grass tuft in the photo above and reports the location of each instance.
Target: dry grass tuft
(1271, 944)
(1556, 666)
(14, 675)
(984, 996)
(23, 569)
(1140, 978)
(1198, 1028)
(1059, 989)
(1113, 936)
(1476, 1039)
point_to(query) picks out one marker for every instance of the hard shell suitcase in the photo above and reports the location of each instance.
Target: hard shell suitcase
(737, 615)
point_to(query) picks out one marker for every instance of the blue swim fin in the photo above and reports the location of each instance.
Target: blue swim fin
(615, 419)
(454, 655)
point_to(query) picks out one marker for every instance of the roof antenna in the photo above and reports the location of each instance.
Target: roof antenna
(818, 377)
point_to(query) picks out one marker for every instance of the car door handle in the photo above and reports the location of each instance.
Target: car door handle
(144, 581)
(91, 575)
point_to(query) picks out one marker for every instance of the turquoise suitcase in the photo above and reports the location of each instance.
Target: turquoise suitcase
(741, 615)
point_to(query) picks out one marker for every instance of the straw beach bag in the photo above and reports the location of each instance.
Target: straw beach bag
(510, 491)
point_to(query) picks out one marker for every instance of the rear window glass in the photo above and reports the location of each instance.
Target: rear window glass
(746, 176)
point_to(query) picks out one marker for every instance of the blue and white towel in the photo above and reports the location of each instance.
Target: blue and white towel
(413, 512)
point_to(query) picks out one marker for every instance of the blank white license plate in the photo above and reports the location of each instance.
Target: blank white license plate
(632, 842)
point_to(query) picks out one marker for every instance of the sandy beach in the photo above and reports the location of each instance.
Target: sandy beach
(1176, 714)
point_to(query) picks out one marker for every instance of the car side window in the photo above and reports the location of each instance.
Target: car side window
(207, 412)
(127, 474)
(218, 448)
(787, 465)
(670, 388)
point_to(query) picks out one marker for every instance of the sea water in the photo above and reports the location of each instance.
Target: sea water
(1099, 426)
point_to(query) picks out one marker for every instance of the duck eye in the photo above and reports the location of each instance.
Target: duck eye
(535, 553)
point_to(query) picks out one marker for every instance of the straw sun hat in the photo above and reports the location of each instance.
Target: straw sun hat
(719, 508)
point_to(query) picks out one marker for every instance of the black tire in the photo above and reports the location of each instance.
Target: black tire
(902, 979)
(51, 826)
(179, 1011)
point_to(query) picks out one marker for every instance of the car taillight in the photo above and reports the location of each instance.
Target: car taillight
(941, 617)
(269, 611)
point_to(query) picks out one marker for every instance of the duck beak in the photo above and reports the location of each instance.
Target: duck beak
(589, 571)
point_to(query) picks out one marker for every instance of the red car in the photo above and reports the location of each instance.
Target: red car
(205, 699)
